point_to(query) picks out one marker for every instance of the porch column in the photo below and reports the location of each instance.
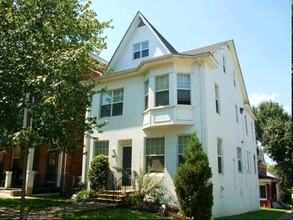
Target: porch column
(59, 171)
(8, 178)
(30, 174)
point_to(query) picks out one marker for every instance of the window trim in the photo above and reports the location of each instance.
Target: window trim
(162, 90)
(183, 147)
(217, 99)
(260, 194)
(220, 156)
(140, 50)
(224, 64)
(155, 154)
(239, 160)
(96, 143)
(147, 94)
(111, 103)
(184, 89)
(236, 114)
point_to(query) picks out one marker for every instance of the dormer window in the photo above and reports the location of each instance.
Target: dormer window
(140, 50)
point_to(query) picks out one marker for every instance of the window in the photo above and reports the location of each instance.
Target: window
(254, 163)
(263, 192)
(246, 128)
(146, 95)
(183, 89)
(239, 159)
(220, 155)
(182, 143)
(217, 98)
(236, 113)
(224, 64)
(248, 162)
(252, 131)
(112, 103)
(162, 90)
(140, 50)
(155, 150)
(234, 79)
(101, 147)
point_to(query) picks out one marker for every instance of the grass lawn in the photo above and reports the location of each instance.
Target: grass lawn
(112, 213)
(33, 203)
(263, 213)
(103, 213)
(120, 213)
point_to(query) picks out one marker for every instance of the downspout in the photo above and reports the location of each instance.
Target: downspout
(86, 149)
(202, 101)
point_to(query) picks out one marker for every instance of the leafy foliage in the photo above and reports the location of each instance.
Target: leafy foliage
(274, 132)
(45, 51)
(98, 172)
(192, 182)
(146, 184)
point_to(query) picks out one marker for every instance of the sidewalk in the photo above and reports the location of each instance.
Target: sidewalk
(286, 216)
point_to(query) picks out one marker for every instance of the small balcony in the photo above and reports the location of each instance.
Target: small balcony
(168, 115)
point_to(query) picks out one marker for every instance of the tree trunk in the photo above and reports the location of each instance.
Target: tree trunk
(23, 184)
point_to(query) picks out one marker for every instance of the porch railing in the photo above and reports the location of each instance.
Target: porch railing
(118, 190)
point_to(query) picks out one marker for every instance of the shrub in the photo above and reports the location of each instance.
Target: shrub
(192, 182)
(146, 184)
(85, 194)
(98, 172)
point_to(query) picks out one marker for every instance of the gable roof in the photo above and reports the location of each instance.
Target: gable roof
(208, 49)
(140, 20)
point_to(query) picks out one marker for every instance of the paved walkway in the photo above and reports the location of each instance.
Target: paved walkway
(286, 216)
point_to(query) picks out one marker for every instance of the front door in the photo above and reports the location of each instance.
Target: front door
(51, 168)
(126, 165)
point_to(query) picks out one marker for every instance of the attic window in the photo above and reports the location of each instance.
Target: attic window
(140, 50)
(141, 23)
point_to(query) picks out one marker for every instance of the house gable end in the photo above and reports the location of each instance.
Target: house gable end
(140, 42)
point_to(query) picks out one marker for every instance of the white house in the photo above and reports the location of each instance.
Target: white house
(156, 97)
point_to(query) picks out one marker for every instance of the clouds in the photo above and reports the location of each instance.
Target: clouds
(257, 98)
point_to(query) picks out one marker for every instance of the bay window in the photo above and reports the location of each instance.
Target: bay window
(183, 89)
(162, 90)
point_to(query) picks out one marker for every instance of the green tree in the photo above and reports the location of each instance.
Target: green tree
(274, 132)
(192, 182)
(98, 172)
(45, 51)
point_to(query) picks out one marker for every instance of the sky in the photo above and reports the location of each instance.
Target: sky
(261, 30)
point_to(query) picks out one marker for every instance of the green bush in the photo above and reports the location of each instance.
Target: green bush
(85, 194)
(192, 182)
(98, 172)
(146, 184)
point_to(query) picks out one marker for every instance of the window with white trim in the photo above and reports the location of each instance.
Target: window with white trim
(224, 64)
(183, 89)
(245, 121)
(146, 95)
(101, 147)
(254, 163)
(140, 50)
(239, 159)
(155, 154)
(182, 143)
(236, 113)
(234, 79)
(112, 103)
(217, 98)
(220, 155)
(262, 192)
(162, 90)
(248, 162)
